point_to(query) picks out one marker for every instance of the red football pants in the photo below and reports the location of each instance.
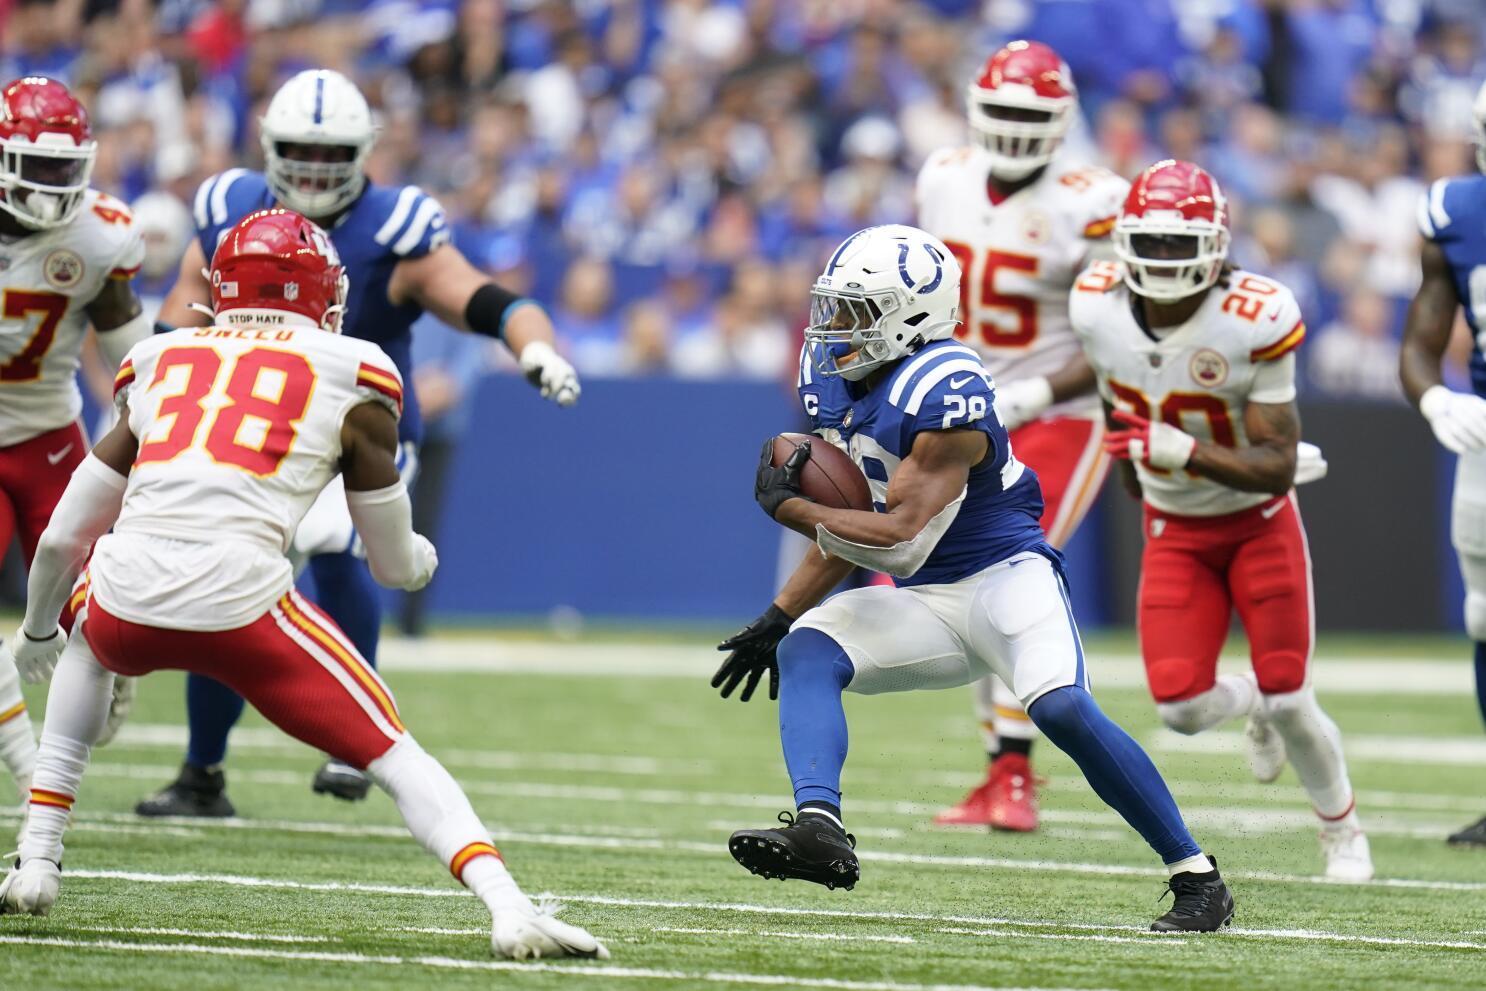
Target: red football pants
(1067, 453)
(33, 476)
(292, 664)
(1195, 570)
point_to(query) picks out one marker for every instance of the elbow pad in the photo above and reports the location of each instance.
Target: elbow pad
(398, 557)
(902, 559)
(114, 344)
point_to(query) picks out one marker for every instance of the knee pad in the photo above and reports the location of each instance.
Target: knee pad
(1173, 679)
(1280, 671)
(1186, 717)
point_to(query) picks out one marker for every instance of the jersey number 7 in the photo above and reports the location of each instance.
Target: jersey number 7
(257, 405)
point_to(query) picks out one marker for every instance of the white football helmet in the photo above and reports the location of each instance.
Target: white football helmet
(1478, 114)
(318, 107)
(886, 292)
(166, 228)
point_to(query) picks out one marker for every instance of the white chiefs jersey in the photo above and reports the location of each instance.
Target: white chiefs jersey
(1018, 258)
(1238, 348)
(47, 280)
(239, 429)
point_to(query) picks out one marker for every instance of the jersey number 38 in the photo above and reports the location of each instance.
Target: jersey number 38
(256, 403)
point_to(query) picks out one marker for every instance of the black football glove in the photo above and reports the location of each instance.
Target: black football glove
(752, 654)
(772, 486)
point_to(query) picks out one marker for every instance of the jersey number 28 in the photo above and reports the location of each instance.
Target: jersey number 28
(256, 404)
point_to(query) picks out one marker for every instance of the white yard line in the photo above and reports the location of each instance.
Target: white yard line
(656, 841)
(1469, 751)
(775, 934)
(600, 971)
(1336, 674)
(198, 934)
(1152, 940)
(232, 880)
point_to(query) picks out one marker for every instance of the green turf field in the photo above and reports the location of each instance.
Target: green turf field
(611, 778)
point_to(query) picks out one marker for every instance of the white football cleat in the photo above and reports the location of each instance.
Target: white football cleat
(30, 889)
(1265, 748)
(525, 936)
(1348, 855)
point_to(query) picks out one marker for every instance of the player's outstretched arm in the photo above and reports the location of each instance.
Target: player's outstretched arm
(88, 507)
(448, 286)
(190, 287)
(1458, 419)
(922, 501)
(1024, 400)
(378, 501)
(1267, 464)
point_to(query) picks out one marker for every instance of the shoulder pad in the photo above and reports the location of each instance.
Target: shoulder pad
(377, 377)
(921, 384)
(412, 223)
(1278, 325)
(226, 197)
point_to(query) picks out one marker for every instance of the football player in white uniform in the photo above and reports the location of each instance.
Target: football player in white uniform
(226, 436)
(1023, 221)
(1196, 362)
(67, 255)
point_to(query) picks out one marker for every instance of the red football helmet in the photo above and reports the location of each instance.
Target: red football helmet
(275, 263)
(46, 152)
(1173, 233)
(1020, 106)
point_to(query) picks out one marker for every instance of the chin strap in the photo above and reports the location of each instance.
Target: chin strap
(902, 559)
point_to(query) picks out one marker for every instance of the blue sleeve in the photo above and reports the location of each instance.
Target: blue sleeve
(414, 224)
(809, 385)
(951, 389)
(222, 201)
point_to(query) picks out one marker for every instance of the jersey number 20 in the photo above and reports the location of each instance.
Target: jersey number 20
(259, 400)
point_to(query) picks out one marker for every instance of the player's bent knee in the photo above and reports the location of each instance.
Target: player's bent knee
(1279, 672)
(807, 652)
(1185, 717)
(1475, 615)
(1176, 679)
(1062, 713)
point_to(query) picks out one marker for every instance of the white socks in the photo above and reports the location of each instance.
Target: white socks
(1197, 865)
(440, 817)
(1314, 746)
(1233, 695)
(983, 694)
(1000, 714)
(17, 738)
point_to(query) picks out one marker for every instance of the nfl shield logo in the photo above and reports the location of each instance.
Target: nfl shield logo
(291, 291)
(846, 420)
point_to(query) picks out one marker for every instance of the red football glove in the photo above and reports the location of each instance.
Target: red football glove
(1157, 445)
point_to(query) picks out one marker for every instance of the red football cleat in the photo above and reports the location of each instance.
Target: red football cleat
(974, 809)
(1011, 799)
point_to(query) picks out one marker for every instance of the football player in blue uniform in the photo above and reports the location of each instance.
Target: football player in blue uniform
(1452, 218)
(316, 135)
(978, 588)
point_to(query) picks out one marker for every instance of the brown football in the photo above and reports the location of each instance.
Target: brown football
(830, 477)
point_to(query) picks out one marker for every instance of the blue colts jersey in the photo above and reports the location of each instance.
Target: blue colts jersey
(941, 387)
(1453, 215)
(385, 225)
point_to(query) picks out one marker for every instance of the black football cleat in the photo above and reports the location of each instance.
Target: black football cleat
(341, 780)
(1202, 903)
(807, 847)
(1474, 835)
(195, 793)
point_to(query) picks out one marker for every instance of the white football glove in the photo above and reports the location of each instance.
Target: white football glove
(36, 659)
(1158, 444)
(526, 936)
(1310, 464)
(1458, 419)
(426, 562)
(551, 373)
(1022, 401)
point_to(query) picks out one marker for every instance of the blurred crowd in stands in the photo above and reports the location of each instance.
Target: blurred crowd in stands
(667, 175)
